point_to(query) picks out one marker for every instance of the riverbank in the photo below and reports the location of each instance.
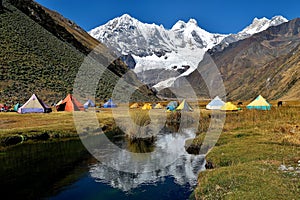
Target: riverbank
(17, 128)
(250, 155)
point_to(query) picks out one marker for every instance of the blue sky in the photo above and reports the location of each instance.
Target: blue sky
(219, 16)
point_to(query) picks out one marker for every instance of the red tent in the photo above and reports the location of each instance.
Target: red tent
(70, 103)
(4, 107)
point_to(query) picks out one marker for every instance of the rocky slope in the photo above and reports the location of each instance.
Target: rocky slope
(266, 63)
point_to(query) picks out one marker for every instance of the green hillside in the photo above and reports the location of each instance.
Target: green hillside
(33, 60)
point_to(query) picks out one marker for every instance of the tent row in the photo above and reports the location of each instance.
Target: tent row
(259, 103)
(70, 103)
(172, 106)
(35, 105)
(147, 106)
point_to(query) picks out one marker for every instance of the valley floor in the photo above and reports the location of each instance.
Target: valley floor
(256, 157)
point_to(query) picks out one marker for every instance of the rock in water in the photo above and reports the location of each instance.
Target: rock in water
(209, 165)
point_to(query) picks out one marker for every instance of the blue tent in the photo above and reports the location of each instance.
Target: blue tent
(88, 104)
(110, 104)
(172, 105)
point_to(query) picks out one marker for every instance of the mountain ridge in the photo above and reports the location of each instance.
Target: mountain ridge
(163, 55)
(256, 26)
(266, 63)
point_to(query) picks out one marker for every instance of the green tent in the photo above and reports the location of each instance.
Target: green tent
(259, 103)
(17, 106)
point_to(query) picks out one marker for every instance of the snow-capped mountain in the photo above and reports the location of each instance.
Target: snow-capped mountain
(256, 26)
(162, 55)
(262, 24)
(127, 35)
(159, 53)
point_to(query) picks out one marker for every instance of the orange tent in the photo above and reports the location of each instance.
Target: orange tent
(70, 103)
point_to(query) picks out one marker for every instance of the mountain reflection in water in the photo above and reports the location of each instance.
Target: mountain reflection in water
(184, 167)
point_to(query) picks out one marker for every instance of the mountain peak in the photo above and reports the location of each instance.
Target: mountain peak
(192, 21)
(276, 20)
(279, 17)
(179, 25)
(125, 17)
(182, 25)
(261, 24)
(256, 20)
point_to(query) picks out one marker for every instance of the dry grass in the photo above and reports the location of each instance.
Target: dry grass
(14, 122)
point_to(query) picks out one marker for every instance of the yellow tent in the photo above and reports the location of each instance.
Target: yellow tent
(259, 103)
(147, 106)
(184, 106)
(229, 107)
(135, 105)
(158, 106)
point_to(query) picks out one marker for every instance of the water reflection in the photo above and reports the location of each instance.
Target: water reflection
(141, 146)
(184, 168)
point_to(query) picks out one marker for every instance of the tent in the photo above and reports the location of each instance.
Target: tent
(58, 103)
(70, 103)
(135, 105)
(259, 103)
(4, 107)
(184, 106)
(158, 106)
(88, 104)
(17, 106)
(147, 106)
(172, 105)
(34, 105)
(228, 106)
(215, 104)
(110, 104)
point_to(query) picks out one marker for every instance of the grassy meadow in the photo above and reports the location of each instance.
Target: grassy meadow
(249, 152)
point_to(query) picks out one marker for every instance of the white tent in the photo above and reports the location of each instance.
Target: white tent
(215, 104)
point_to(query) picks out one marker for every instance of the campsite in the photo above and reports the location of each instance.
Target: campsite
(253, 142)
(149, 100)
